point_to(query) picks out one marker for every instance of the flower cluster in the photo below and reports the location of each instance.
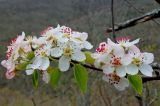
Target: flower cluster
(59, 43)
(121, 59)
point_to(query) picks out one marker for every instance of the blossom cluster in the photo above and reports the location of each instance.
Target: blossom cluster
(121, 59)
(61, 43)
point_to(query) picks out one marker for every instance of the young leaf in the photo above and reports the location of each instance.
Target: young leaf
(21, 66)
(30, 55)
(89, 58)
(81, 76)
(136, 82)
(35, 79)
(55, 74)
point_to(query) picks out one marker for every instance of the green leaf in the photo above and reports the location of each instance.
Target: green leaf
(81, 76)
(89, 58)
(30, 55)
(35, 78)
(22, 66)
(136, 82)
(55, 74)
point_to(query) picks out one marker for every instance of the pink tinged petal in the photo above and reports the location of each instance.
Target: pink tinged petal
(107, 69)
(127, 59)
(118, 51)
(122, 84)
(121, 71)
(10, 75)
(46, 77)
(105, 78)
(87, 45)
(4, 63)
(133, 49)
(78, 56)
(132, 69)
(45, 63)
(29, 71)
(148, 58)
(146, 69)
(56, 52)
(64, 63)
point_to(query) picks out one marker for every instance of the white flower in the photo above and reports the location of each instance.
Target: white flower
(141, 61)
(40, 61)
(118, 82)
(66, 52)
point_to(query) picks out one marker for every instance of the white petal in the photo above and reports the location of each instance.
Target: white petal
(29, 72)
(148, 58)
(118, 51)
(107, 69)
(87, 45)
(121, 71)
(135, 42)
(56, 52)
(4, 63)
(133, 49)
(64, 63)
(78, 56)
(127, 59)
(146, 69)
(105, 78)
(123, 83)
(46, 77)
(132, 69)
(36, 62)
(45, 63)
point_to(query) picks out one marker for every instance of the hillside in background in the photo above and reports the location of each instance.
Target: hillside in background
(92, 16)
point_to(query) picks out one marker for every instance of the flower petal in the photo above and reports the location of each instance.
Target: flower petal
(45, 63)
(10, 75)
(133, 49)
(36, 62)
(87, 45)
(78, 56)
(121, 71)
(105, 78)
(146, 69)
(127, 59)
(29, 71)
(132, 69)
(107, 69)
(56, 52)
(64, 63)
(46, 77)
(123, 83)
(148, 58)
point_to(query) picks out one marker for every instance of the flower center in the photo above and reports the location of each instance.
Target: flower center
(136, 61)
(67, 51)
(113, 78)
(116, 61)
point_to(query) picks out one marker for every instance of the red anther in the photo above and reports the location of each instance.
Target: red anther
(67, 30)
(122, 39)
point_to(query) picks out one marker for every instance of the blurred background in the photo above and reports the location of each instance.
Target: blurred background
(92, 16)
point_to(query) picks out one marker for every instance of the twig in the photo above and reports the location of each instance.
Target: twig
(112, 13)
(132, 22)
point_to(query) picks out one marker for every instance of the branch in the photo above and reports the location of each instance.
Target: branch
(132, 22)
(145, 79)
(158, 1)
